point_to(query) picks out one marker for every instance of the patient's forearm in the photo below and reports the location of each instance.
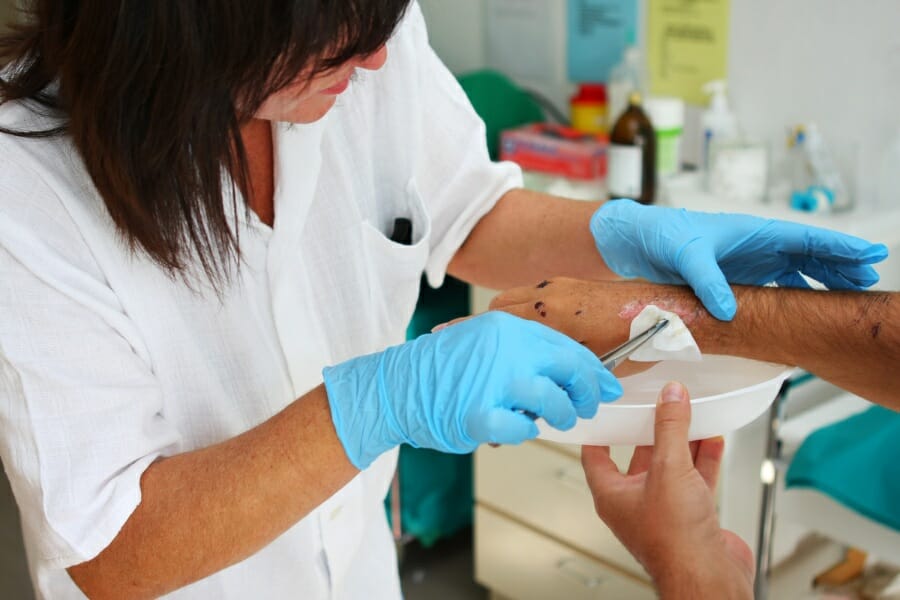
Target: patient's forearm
(851, 339)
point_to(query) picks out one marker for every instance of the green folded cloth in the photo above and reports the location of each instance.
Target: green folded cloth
(500, 103)
(856, 462)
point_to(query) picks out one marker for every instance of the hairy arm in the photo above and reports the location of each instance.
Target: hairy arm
(205, 510)
(851, 339)
(527, 237)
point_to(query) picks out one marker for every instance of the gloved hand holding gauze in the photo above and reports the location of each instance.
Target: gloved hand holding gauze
(675, 342)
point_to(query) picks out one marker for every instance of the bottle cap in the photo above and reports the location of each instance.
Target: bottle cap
(591, 92)
(718, 92)
(665, 112)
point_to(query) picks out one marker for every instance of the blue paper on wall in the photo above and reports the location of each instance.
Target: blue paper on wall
(598, 31)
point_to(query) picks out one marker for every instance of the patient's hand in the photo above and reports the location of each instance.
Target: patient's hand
(663, 510)
(598, 313)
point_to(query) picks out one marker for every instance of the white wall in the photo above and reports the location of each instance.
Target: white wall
(457, 32)
(830, 61)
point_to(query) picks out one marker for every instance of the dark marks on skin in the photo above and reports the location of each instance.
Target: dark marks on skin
(578, 313)
(539, 307)
(873, 307)
(543, 284)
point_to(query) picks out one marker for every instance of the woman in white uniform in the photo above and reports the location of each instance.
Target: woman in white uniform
(203, 303)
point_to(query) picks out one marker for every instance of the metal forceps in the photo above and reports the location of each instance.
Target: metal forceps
(617, 356)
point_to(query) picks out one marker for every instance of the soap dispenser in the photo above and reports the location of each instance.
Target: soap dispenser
(718, 122)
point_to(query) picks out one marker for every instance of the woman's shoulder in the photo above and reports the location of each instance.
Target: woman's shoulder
(43, 183)
(43, 158)
(35, 154)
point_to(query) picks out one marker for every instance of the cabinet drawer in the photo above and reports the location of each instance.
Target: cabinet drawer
(544, 488)
(516, 562)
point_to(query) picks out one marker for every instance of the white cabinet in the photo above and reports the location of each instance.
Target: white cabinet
(518, 562)
(536, 532)
(542, 485)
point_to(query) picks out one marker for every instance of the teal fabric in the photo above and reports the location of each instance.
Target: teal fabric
(856, 462)
(436, 493)
(500, 103)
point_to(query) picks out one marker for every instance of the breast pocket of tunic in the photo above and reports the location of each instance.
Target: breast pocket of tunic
(394, 268)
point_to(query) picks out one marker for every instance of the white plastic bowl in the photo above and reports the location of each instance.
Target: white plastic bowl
(726, 394)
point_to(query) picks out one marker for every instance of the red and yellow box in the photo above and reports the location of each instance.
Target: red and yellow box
(557, 150)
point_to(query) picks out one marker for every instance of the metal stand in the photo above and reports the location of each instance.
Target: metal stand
(769, 477)
(401, 539)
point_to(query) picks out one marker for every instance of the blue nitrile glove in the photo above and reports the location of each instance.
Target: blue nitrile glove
(708, 251)
(463, 386)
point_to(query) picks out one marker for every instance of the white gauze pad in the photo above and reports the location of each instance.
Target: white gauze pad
(675, 342)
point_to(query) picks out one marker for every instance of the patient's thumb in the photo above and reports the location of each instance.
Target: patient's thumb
(673, 420)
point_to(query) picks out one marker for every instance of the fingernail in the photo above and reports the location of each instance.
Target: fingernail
(611, 392)
(876, 253)
(725, 313)
(870, 279)
(437, 328)
(728, 306)
(673, 392)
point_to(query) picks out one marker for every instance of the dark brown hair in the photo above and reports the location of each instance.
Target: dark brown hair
(153, 94)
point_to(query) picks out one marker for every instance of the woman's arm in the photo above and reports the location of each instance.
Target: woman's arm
(851, 339)
(527, 237)
(205, 510)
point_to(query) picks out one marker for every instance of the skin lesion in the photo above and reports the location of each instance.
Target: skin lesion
(876, 331)
(688, 314)
(874, 307)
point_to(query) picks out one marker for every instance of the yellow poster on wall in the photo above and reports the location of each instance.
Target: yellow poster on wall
(687, 46)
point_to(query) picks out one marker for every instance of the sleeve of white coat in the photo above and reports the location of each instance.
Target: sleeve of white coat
(80, 411)
(456, 177)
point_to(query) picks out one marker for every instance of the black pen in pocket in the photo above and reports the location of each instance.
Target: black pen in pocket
(403, 231)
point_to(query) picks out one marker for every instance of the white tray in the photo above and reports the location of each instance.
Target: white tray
(726, 394)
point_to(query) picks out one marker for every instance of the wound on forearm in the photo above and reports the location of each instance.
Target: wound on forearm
(688, 310)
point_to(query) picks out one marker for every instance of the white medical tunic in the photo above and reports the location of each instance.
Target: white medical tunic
(107, 364)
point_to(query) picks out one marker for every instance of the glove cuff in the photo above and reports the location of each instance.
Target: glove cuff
(361, 414)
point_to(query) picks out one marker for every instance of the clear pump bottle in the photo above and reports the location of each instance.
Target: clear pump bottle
(718, 122)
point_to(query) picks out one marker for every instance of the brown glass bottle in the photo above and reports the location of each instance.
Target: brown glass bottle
(632, 155)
